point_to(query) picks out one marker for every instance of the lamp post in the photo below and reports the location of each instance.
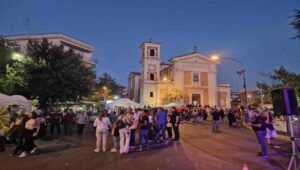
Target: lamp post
(239, 72)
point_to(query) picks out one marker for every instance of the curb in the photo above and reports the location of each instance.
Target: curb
(249, 129)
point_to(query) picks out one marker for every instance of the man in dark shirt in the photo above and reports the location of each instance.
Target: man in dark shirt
(144, 128)
(259, 126)
(215, 121)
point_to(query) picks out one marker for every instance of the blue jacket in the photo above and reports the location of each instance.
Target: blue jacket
(161, 118)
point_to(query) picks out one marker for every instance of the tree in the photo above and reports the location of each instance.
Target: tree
(52, 74)
(296, 23)
(114, 88)
(281, 78)
(5, 60)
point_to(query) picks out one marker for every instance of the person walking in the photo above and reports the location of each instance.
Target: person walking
(161, 119)
(17, 131)
(175, 123)
(215, 120)
(102, 125)
(259, 125)
(124, 123)
(115, 133)
(81, 121)
(144, 129)
(31, 130)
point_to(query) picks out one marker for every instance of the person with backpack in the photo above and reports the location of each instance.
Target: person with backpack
(102, 125)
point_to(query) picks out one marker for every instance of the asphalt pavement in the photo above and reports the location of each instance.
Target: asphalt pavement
(199, 148)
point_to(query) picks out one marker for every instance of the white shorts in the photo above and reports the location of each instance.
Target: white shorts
(271, 133)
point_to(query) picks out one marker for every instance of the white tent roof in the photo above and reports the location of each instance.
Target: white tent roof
(15, 100)
(123, 102)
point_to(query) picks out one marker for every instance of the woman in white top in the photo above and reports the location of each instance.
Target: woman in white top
(102, 125)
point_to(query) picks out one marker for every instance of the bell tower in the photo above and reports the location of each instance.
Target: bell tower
(150, 72)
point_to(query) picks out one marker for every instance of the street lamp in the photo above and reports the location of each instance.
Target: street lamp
(239, 72)
(17, 56)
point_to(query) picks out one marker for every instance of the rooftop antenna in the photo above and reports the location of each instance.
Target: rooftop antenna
(150, 39)
(195, 49)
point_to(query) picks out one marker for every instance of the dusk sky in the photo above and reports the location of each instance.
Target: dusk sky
(256, 32)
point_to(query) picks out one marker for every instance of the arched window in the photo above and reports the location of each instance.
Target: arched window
(151, 76)
(152, 53)
(151, 94)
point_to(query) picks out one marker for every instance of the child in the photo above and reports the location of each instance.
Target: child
(115, 133)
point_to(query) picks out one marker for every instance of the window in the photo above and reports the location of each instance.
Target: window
(152, 53)
(151, 94)
(151, 76)
(195, 77)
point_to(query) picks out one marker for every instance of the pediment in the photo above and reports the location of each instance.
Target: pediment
(192, 57)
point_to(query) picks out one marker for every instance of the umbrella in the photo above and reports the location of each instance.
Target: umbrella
(4, 119)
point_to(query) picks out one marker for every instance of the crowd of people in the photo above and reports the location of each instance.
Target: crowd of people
(152, 125)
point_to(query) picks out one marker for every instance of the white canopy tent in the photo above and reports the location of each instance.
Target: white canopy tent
(6, 100)
(123, 102)
(170, 105)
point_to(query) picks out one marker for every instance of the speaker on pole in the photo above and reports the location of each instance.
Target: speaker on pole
(285, 101)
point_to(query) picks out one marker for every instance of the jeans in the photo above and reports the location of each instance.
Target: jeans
(176, 131)
(124, 140)
(215, 124)
(52, 128)
(169, 130)
(101, 135)
(80, 128)
(132, 137)
(143, 134)
(116, 142)
(260, 135)
(68, 128)
(161, 129)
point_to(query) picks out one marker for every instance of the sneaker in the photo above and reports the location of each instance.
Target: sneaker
(147, 147)
(140, 149)
(113, 150)
(33, 150)
(97, 150)
(22, 155)
(104, 150)
(132, 147)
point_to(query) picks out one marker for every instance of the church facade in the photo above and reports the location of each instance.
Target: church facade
(185, 79)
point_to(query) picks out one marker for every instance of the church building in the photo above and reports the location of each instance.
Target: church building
(185, 79)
